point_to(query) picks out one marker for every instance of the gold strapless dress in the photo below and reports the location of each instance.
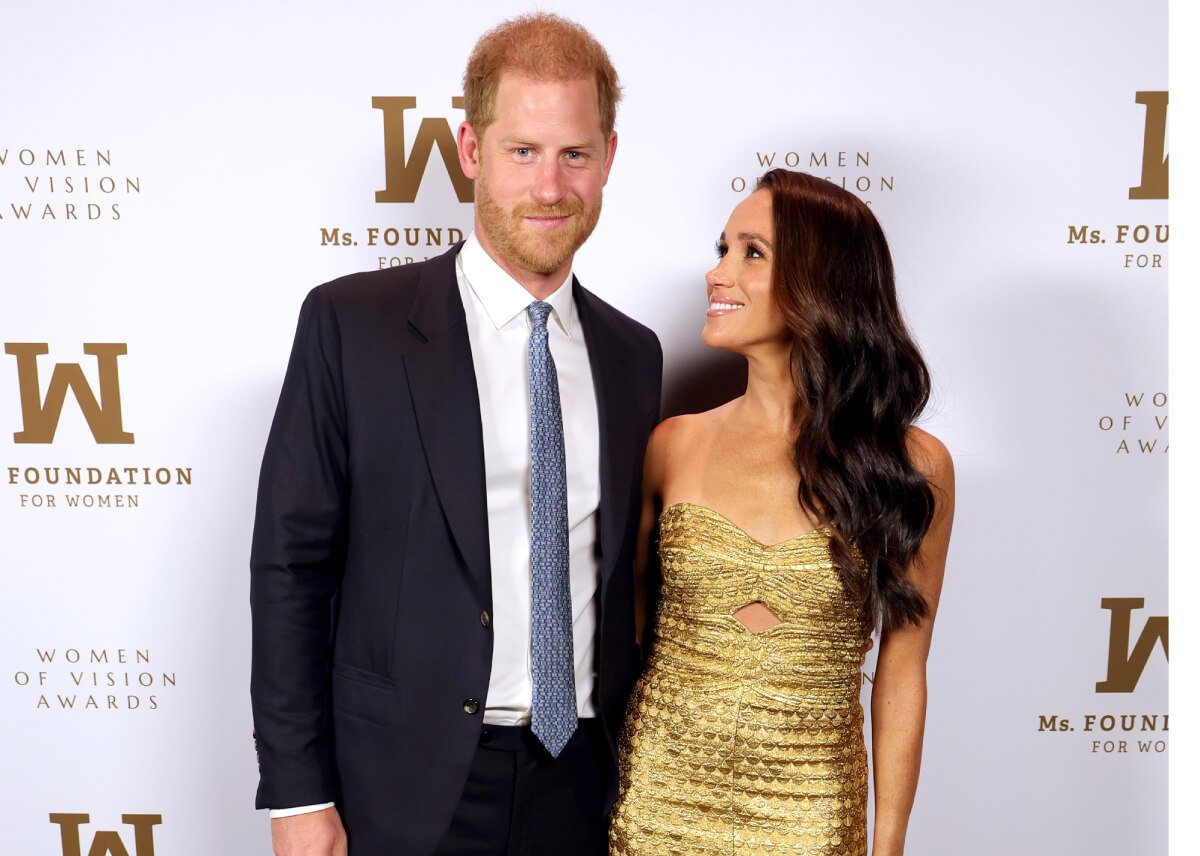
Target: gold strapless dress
(743, 743)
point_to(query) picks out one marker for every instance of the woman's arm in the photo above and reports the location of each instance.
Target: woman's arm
(899, 693)
(653, 476)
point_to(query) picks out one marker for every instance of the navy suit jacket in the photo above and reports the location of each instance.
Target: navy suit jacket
(370, 565)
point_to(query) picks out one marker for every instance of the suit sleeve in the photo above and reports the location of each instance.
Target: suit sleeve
(656, 376)
(296, 563)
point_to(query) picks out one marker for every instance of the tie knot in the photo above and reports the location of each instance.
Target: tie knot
(539, 311)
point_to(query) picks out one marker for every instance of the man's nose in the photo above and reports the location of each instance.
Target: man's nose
(548, 188)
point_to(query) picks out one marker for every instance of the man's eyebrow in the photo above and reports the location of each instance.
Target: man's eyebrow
(521, 141)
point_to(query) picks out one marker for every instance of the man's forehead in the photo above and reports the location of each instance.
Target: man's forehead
(516, 87)
(527, 106)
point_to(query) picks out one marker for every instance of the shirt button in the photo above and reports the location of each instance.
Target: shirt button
(471, 706)
(485, 619)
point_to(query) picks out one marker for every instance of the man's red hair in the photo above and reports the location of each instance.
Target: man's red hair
(540, 46)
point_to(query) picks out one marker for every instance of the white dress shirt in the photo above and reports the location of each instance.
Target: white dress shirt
(498, 327)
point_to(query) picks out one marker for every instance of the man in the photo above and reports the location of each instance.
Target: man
(442, 586)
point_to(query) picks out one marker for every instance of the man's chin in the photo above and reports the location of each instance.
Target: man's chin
(543, 266)
(544, 260)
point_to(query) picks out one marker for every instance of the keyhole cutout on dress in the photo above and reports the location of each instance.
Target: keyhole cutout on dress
(757, 617)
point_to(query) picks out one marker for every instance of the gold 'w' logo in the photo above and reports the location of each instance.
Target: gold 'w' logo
(1154, 148)
(403, 176)
(1125, 667)
(41, 417)
(107, 843)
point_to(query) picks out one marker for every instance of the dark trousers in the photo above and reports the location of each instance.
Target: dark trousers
(521, 802)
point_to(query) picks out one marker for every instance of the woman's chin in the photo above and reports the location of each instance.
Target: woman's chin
(720, 340)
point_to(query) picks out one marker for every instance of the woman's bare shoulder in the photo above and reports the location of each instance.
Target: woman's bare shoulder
(930, 456)
(675, 440)
(678, 432)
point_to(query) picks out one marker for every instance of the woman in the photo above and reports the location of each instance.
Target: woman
(796, 517)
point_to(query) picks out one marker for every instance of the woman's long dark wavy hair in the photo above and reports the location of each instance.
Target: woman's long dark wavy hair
(860, 382)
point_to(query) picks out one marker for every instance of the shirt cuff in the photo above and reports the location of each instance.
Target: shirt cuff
(300, 809)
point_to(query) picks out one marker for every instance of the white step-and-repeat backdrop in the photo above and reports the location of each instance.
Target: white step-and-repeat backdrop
(174, 179)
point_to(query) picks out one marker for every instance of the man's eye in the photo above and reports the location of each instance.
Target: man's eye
(574, 156)
(523, 152)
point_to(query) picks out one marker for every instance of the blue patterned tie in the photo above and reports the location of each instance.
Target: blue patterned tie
(552, 648)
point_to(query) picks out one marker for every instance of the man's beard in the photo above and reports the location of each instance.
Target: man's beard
(525, 249)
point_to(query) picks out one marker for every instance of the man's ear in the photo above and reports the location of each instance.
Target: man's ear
(468, 151)
(609, 154)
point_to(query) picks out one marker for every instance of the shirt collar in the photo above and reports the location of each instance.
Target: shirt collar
(502, 297)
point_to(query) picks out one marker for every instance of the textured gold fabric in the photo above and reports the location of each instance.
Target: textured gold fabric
(742, 743)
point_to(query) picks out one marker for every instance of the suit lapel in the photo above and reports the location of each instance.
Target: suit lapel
(608, 356)
(441, 378)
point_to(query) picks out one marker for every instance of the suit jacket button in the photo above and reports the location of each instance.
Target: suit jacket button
(471, 705)
(485, 619)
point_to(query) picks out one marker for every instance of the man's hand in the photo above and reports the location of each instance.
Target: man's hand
(870, 645)
(317, 833)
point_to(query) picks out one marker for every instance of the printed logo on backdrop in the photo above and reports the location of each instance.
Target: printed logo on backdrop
(88, 681)
(106, 843)
(1137, 426)
(1130, 727)
(41, 417)
(64, 185)
(406, 236)
(1125, 666)
(81, 481)
(1136, 245)
(405, 172)
(853, 170)
(1154, 182)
